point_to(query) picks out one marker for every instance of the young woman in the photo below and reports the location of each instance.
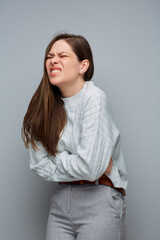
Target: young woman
(73, 140)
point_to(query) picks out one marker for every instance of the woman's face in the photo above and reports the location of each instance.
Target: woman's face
(62, 64)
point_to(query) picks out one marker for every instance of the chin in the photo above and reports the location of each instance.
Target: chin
(55, 82)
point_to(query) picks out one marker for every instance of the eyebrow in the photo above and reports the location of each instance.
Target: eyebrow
(58, 53)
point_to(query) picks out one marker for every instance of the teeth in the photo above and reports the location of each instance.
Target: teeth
(57, 70)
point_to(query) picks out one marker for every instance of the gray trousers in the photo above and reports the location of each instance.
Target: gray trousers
(86, 212)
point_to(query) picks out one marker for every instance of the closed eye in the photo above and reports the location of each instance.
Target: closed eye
(60, 56)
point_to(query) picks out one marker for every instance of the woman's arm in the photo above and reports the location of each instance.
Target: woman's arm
(98, 138)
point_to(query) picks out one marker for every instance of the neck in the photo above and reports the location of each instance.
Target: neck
(71, 89)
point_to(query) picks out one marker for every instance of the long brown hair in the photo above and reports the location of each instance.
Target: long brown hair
(46, 117)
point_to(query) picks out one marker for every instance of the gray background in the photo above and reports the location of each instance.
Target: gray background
(124, 37)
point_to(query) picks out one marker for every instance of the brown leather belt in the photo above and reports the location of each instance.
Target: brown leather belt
(102, 180)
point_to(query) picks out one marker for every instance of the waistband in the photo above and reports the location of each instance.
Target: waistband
(102, 180)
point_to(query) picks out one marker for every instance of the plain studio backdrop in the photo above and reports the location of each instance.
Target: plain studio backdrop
(125, 39)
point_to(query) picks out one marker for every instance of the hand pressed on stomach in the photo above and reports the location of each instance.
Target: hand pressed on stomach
(109, 168)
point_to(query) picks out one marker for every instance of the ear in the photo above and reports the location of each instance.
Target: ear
(84, 66)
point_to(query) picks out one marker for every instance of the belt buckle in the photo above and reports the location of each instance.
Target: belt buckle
(97, 182)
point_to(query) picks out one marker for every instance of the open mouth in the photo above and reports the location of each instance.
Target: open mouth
(55, 71)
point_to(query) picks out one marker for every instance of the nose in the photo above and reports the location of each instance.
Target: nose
(54, 60)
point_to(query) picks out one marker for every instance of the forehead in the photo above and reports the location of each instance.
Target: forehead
(60, 46)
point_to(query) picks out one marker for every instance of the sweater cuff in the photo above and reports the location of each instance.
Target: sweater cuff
(59, 161)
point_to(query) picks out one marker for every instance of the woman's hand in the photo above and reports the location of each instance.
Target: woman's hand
(108, 170)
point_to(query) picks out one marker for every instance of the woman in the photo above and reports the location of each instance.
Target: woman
(73, 140)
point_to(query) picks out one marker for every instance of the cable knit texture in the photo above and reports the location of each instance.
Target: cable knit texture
(87, 142)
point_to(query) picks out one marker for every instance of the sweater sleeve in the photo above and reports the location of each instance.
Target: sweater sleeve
(98, 138)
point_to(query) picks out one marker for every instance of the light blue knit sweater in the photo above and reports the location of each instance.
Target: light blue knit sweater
(87, 142)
